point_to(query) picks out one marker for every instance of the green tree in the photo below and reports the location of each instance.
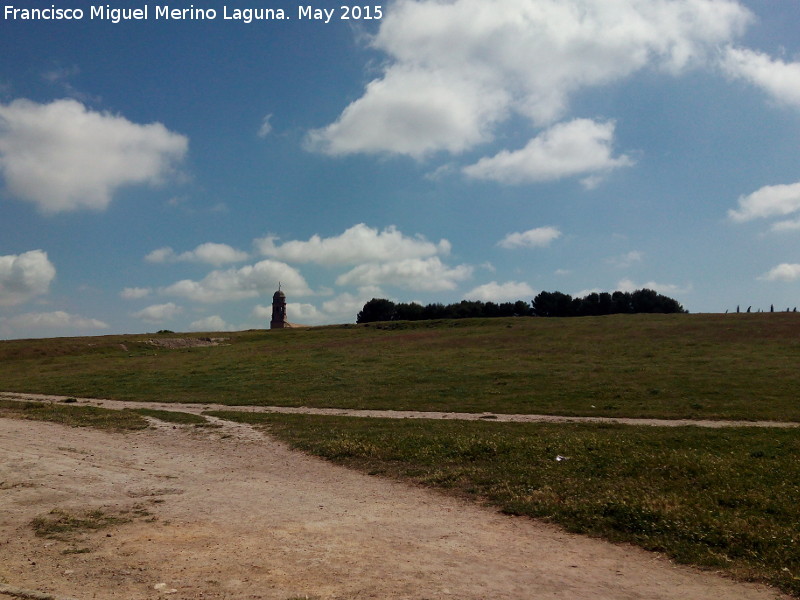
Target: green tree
(377, 309)
(552, 304)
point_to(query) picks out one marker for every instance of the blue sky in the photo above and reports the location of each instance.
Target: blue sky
(167, 174)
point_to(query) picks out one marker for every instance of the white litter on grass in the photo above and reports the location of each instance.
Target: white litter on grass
(560, 458)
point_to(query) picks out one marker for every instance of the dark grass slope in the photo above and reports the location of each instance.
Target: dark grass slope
(672, 366)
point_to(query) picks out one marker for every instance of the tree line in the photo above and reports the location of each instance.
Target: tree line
(545, 304)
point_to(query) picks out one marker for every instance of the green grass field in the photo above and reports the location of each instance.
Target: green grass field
(671, 366)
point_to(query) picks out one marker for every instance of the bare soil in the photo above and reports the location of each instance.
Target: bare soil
(231, 513)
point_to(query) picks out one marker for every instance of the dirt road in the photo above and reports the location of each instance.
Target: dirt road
(403, 414)
(230, 513)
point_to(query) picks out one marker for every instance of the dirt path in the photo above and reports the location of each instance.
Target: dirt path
(400, 414)
(233, 514)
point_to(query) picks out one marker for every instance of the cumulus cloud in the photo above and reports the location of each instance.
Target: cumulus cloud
(502, 292)
(237, 284)
(161, 255)
(428, 274)
(212, 323)
(533, 238)
(778, 79)
(783, 272)
(209, 253)
(357, 244)
(345, 307)
(262, 312)
(769, 201)
(134, 293)
(578, 147)
(455, 70)
(305, 314)
(158, 313)
(24, 276)
(414, 112)
(53, 320)
(63, 156)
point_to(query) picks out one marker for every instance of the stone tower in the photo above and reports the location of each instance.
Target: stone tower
(278, 310)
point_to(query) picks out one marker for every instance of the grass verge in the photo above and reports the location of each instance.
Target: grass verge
(723, 499)
(74, 416)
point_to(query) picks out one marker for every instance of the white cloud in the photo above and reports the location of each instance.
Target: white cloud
(24, 276)
(586, 292)
(344, 308)
(134, 293)
(414, 112)
(789, 225)
(627, 260)
(428, 274)
(212, 323)
(262, 312)
(53, 320)
(304, 314)
(357, 244)
(161, 255)
(158, 313)
(266, 127)
(778, 79)
(769, 201)
(578, 147)
(340, 309)
(502, 292)
(533, 238)
(62, 156)
(783, 272)
(296, 312)
(209, 253)
(237, 284)
(457, 69)
(626, 285)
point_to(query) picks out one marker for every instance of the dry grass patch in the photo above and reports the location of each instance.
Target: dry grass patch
(72, 415)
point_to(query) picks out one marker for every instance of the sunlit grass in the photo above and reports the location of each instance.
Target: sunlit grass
(671, 366)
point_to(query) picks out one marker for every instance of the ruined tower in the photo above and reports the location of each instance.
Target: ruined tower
(278, 310)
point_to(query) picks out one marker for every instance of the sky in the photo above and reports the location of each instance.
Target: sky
(171, 173)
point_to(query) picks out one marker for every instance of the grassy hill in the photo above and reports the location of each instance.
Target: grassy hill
(699, 366)
(726, 499)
